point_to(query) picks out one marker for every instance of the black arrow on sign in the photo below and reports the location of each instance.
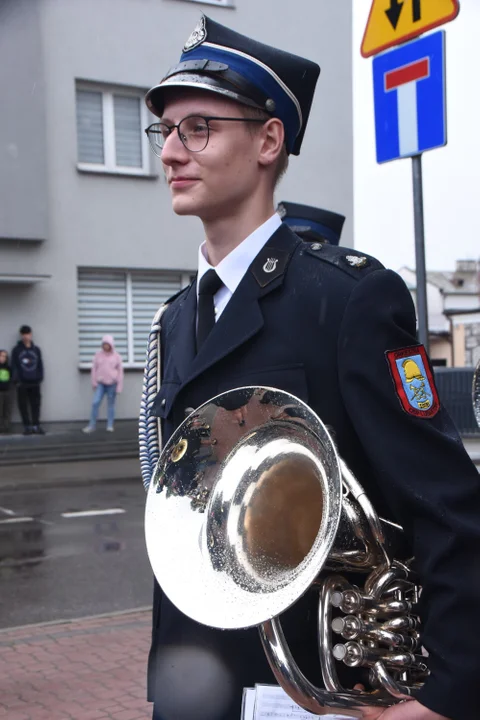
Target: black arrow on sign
(417, 10)
(393, 13)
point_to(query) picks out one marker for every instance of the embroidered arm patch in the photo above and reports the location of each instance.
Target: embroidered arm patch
(413, 381)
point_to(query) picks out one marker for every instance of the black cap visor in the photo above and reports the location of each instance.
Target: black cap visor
(225, 82)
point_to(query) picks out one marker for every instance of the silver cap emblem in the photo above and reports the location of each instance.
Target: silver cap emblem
(197, 36)
(270, 265)
(356, 260)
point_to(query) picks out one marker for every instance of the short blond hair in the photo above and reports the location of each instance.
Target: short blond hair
(281, 166)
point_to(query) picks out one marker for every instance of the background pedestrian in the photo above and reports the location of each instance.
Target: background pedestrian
(27, 375)
(5, 392)
(107, 379)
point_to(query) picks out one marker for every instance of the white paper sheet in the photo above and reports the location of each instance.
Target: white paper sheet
(272, 703)
(248, 703)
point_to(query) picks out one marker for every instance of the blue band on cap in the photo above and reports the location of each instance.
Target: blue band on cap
(324, 230)
(285, 108)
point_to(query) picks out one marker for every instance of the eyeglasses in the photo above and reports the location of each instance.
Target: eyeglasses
(193, 131)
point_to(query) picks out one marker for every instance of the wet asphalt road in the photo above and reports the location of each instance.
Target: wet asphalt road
(71, 552)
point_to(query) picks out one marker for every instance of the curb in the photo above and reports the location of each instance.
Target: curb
(61, 483)
(52, 623)
(111, 455)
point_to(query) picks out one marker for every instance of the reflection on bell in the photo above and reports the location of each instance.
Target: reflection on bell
(179, 450)
(283, 516)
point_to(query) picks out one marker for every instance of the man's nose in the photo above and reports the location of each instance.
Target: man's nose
(174, 150)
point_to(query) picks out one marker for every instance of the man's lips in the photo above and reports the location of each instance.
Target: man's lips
(182, 181)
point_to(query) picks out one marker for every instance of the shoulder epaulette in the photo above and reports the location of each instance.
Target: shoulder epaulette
(162, 312)
(177, 294)
(352, 262)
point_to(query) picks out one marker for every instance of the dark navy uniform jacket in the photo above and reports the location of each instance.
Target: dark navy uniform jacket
(320, 327)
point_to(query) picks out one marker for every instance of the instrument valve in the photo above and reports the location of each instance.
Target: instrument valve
(349, 627)
(351, 601)
(351, 654)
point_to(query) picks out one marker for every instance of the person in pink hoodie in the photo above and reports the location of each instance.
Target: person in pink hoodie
(107, 379)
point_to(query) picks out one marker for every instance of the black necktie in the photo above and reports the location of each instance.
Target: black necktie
(209, 285)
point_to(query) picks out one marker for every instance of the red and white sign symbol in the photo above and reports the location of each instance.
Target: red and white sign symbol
(404, 80)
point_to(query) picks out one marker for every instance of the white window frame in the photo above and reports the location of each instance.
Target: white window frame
(108, 116)
(130, 364)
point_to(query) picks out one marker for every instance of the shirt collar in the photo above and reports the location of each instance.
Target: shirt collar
(234, 266)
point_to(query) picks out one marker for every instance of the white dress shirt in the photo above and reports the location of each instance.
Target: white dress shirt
(234, 266)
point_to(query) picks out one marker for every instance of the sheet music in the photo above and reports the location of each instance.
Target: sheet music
(272, 703)
(248, 703)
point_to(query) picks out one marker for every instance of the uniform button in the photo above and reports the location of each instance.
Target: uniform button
(188, 411)
(163, 403)
(316, 246)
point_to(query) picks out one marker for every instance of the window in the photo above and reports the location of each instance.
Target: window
(110, 135)
(122, 304)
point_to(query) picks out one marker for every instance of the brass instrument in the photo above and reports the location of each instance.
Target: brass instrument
(250, 507)
(476, 393)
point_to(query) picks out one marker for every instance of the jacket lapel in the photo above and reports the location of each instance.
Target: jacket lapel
(241, 319)
(180, 339)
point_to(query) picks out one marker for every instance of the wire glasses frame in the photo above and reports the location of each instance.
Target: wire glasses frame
(193, 131)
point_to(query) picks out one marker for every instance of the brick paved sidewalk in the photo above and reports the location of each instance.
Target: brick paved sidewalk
(91, 669)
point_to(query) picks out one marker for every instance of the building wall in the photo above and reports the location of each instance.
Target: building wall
(461, 301)
(122, 222)
(440, 349)
(459, 346)
(472, 344)
(466, 339)
(23, 151)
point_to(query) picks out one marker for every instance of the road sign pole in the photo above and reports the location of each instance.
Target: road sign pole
(422, 309)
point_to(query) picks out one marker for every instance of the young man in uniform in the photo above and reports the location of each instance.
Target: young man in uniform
(329, 325)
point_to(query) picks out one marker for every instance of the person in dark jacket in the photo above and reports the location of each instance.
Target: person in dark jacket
(327, 324)
(5, 392)
(27, 375)
(312, 224)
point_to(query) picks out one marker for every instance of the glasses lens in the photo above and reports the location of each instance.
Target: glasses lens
(194, 133)
(157, 134)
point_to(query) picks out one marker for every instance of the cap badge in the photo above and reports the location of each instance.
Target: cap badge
(198, 35)
(356, 261)
(270, 265)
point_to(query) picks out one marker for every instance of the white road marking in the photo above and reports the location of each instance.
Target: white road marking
(16, 520)
(6, 511)
(92, 513)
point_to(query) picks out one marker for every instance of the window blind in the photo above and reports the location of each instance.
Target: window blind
(149, 291)
(90, 126)
(128, 138)
(102, 310)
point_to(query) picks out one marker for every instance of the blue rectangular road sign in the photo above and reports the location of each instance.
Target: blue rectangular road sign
(410, 98)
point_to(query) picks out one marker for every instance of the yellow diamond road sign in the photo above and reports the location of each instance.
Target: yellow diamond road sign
(392, 22)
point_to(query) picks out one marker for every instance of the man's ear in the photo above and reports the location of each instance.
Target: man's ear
(273, 138)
